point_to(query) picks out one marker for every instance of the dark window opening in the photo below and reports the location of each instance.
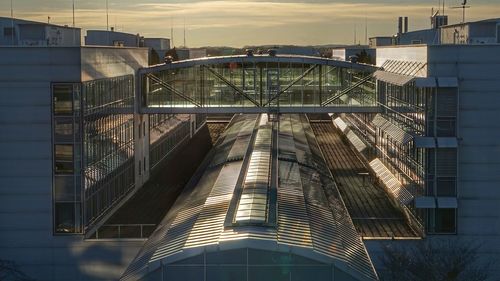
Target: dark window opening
(63, 99)
(8, 31)
(63, 163)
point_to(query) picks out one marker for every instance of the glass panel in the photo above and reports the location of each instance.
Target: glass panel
(63, 159)
(446, 186)
(63, 99)
(445, 221)
(64, 218)
(64, 188)
(63, 130)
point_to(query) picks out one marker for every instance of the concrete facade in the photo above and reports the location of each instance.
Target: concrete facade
(16, 32)
(479, 32)
(113, 38)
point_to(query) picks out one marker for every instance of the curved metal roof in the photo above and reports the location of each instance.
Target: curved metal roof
(257, 59)
(312, 220)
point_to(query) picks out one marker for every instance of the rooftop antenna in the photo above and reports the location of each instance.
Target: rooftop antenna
(355, 39)
(443, 7)
(462, 6)
(107, 16)
(366, 31)
(12, 20)
(172, 31)
(184, 32)
(73, 13)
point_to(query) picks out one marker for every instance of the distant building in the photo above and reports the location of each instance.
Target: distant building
(380, 41)
(113, 38)
(360, 51)
(297, 50)
(158, 47)
(426, 36)
(478, 32)
(187, 53)
(16, 32)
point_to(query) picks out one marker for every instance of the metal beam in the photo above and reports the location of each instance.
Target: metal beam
(253, 110)
(172, 89)
(346, 91)
(298, 79)
(231, 85)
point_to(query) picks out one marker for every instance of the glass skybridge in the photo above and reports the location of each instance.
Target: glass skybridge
(258, 84)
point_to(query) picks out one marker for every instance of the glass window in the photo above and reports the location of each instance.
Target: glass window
(445, 221)
(65, 218)
(63, 159)
(446, 127)
(8, 31)
(63, 99)
(63, 130)
(64, 188)
(446, 186)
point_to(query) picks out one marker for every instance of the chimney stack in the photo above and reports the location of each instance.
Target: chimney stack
(406, 25)
(400, 25)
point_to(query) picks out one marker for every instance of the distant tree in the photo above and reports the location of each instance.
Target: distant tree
(364, 57)
(9, 271)
(173, 54)
(154, 58)
(434, 261)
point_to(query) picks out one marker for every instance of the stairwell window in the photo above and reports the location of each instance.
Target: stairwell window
(67, 181)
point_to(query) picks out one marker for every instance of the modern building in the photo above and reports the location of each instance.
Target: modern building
(440, 161)
(478, 32)
(76, 148)
(73, 150)
(17, 32)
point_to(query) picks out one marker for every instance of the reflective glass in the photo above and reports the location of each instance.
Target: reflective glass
(64, 188)
(63, 99)
(63, 130)
(63, 159)
(64, 220)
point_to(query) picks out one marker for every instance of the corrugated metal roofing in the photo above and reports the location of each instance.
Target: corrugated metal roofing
(311, 217)
(392, 130)
(391, 182)
(396, 79)
(356, 141)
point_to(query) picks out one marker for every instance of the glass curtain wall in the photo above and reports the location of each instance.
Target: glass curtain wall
(165, 134)
(255, 84)
(108, 136)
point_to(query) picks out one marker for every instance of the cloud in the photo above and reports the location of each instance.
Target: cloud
(207, 20)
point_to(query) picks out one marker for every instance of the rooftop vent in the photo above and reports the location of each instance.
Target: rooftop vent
(169, 59)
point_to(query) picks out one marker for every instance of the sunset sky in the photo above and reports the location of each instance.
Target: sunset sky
(245, 22)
